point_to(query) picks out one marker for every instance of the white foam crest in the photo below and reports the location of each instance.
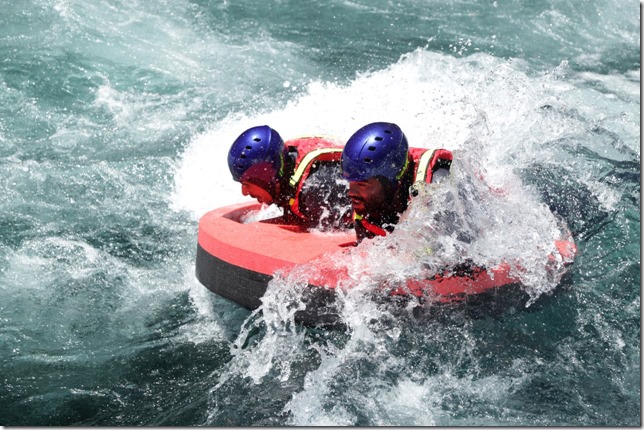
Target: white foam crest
(142, 112)
(60, 280)
(426, 402)
(433, 109)
(281, 341)
(202, 179)
(478, 103)
(270, 343)
(308, 407)
(45, 256)
(158, 38)
(462, 219)
(604, 326)
(607, 196)
(208, 326)
(416, 400)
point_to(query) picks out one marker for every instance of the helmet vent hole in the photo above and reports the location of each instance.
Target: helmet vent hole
(378, 138)
(249, 147)
(242, 156)
(257, 139)
(387, 131)
(371, 148)
(368, 160)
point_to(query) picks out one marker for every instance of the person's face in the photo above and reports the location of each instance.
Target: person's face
(367, 196)
(256, 192)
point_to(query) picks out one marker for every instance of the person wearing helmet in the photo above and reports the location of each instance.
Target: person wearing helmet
(301, 176)
(381, 169)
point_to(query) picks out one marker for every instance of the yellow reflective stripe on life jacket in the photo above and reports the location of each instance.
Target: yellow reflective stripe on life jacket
(376, 230)
(301, 168)
(423, 165)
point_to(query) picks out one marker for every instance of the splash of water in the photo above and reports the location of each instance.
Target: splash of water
(498, 121)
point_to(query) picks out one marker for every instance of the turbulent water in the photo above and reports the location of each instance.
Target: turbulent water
(115, 118)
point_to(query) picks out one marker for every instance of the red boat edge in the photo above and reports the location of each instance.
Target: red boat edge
(237, 260)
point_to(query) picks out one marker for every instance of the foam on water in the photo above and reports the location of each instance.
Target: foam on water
(439, 114)
(490, 103)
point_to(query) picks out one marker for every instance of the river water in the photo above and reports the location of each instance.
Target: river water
(115, 120)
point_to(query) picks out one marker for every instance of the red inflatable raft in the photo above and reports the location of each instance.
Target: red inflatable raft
(237, 260)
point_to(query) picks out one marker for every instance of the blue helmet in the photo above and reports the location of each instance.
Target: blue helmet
(261, 148)
(377, 149)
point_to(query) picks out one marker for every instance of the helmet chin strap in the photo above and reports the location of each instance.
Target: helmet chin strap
(404, 169)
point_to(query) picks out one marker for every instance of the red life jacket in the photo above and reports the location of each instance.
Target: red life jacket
(427, 161)
(309, 151)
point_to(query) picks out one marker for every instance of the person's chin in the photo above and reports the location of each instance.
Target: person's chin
(359, 209)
